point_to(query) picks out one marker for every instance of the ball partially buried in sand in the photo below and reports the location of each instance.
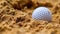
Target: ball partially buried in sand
(42, 13)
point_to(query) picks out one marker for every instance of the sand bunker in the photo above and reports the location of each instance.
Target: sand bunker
(15, 17)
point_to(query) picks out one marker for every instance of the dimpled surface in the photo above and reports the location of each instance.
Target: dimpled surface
(42, 13)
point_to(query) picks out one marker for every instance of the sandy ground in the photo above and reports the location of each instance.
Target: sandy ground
(15, 17)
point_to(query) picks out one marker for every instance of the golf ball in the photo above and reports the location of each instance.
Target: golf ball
(42, 13)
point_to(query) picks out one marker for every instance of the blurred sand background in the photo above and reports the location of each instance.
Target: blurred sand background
(15, 17)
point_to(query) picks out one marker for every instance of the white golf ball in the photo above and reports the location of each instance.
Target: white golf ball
(42, 13)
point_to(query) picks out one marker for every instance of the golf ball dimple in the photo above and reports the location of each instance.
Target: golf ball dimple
(42, 13)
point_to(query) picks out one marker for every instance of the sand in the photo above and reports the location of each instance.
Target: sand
(15, 17)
